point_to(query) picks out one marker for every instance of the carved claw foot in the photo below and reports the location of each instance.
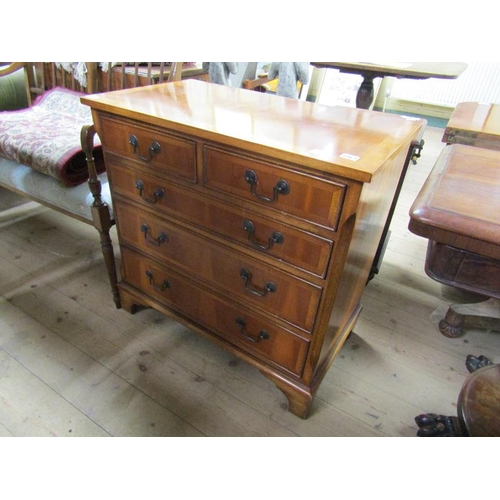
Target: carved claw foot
(432, 425)
(460, 317)
(449, 330)
(473, 363)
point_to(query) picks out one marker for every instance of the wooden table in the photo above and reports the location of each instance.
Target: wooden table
(457, 210)
(479, 402)
(415, 70)
(474, 124)
(478, 405)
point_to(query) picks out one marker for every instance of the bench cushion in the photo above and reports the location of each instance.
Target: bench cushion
(74, 201)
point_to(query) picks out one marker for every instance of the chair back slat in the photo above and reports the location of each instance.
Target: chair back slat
(123, 84)
(108, 84)
(162, 72)
(175, 72)
(136, 74)
(42, 76)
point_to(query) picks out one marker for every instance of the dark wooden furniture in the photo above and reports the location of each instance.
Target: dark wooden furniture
(474, 124)
(370, 71)
(130, 75)
(257, 84)
(479, 402)
(478, 405)
(251, 218)
(457, 211)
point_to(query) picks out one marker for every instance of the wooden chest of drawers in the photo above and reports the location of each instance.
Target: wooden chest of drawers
(251, 218)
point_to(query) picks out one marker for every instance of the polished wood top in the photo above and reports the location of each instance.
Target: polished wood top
(474, 120)
(476, 117)
(459, 204)
(447, 70)
(339, 140)
(479, 402)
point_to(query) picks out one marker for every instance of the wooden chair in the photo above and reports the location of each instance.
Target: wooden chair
(89, 202)
(114, 76)
(264, 84)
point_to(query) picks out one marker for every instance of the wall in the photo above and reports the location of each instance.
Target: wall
(480, 82)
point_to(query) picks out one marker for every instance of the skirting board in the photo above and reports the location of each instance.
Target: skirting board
(419, 108)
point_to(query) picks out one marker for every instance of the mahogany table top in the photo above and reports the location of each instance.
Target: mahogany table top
(459, 204)
(475, 124)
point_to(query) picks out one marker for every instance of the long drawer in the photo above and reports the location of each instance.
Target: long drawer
(151, 148)
(298, 248)
(279, 293)
(274, 187)
(256, 335)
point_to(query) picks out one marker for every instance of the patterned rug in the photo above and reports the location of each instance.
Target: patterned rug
(46, 137)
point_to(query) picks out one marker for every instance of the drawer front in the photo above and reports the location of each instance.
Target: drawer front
(249, 331)
(279, 293)
(303, 196)
(150, 147)
(298, 248)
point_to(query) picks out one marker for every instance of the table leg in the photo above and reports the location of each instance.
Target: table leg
(433, 425)
(364, 97)
(473, 363)
(483, 315)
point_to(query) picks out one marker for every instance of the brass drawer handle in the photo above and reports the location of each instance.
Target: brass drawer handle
(263, 335)
(161, 287)
(276, 237)
(158, 194)
(246, 276)
(162, 238)
(281, 187)
(154, 149)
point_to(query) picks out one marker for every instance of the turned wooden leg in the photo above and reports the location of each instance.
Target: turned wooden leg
(364, 97)
(100, 222)
(101, 215)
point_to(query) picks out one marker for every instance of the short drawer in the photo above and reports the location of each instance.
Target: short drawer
(279, 293)
(250, 332)
(274, 187)
(298, 248)
(152, 148)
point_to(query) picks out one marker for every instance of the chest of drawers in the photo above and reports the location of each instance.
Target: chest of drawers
(250, 218)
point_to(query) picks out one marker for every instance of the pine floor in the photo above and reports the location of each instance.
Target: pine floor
(73, 365)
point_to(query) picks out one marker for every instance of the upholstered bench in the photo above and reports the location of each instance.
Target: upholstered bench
(49, 150)
(58, 173)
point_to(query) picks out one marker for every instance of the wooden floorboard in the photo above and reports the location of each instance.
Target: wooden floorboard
(71, 364)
